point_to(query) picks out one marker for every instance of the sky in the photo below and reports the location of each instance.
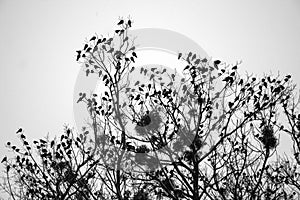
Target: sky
(38, 40)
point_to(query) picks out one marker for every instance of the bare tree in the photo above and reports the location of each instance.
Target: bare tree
(205, 133)
(61, 168)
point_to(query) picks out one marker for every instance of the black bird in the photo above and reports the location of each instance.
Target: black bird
(4, 159)
(93, 38)
(111, 50)
(19, 130)
(179, 55)
(121, 22)
(85, 46)
(78, 55)
(88, 49)
(217, 62)
(134, 54)
(99, 41)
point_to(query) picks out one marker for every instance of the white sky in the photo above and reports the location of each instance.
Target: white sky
(38, 40)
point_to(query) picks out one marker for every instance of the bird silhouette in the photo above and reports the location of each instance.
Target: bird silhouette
(77, 57)
(93, 38)
(134, 54)
(121, 22)
(111, 50)
(85, 46)
(19, 130)
(99, 41)
(4, 159)
(179, 55)
(88, 49)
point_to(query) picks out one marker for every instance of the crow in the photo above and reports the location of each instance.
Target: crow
(93, 38)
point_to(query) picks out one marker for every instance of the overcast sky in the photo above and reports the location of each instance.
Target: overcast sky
(38, 40)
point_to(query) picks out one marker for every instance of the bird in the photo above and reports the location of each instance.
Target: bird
(85, 46)
(99, 41)
(88, 49)
(179, 55)
(4, 159)
(19, 130)
(111, 50)
(78, 57)
(93, 38)
(121, 22)
(134, 54)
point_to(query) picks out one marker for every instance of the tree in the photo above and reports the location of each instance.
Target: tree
(170, 137)
(62, 168)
